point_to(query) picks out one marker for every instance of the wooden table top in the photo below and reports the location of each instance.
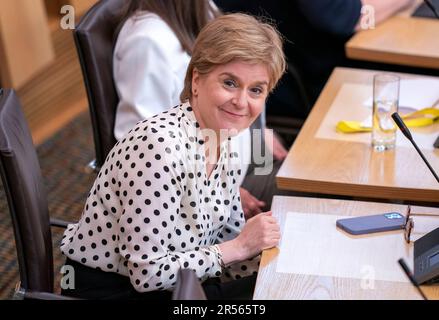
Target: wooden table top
(286, 285)
(324, 161)
(401, 39)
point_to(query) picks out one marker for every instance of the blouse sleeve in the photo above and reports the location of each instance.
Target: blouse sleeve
(152, 182)
(235, 222)
(143, 78)
(231, 230)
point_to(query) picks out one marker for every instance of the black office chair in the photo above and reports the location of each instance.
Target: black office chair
(188, 286)
(24, 188)
(95, 37)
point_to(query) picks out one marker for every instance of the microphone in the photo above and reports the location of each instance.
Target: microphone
(412, 279)
(401, 125)
(432, 8)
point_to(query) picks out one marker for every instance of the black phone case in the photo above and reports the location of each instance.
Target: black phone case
(375, 223)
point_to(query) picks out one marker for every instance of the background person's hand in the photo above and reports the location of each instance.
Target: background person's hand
(278, 150)
(250, 204)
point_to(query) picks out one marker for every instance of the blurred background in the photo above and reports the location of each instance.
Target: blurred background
(38, 59)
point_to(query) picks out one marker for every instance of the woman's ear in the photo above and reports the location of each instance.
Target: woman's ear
(195, 82)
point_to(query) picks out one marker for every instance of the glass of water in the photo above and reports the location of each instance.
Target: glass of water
(385, 103)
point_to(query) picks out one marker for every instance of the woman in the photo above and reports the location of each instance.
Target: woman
(167, 196)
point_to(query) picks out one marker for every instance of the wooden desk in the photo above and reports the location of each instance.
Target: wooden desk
(325, 162)
(399, 40)
(273, 285)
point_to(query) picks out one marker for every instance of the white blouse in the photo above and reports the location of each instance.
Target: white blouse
(152, 209)
(149, 66)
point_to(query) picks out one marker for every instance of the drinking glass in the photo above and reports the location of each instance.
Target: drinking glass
(385, 103)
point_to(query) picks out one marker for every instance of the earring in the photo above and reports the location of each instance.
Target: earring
(195, 92)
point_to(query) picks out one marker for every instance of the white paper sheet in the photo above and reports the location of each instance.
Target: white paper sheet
(312, 245)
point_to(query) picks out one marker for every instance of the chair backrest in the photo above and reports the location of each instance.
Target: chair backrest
(27, 199)
(188, 287)
(95, 36)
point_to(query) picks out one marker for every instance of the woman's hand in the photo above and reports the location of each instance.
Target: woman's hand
(250, 204)
(259, 233)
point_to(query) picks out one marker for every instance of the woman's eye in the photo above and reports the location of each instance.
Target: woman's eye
(229, 83)
(257, 90)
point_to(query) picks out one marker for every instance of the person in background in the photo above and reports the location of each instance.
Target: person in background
(150, 58)
(316, 33)
(167, 195)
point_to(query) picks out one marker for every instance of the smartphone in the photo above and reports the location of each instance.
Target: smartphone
(370, 224)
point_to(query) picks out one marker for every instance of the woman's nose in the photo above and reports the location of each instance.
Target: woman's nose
(240, 99)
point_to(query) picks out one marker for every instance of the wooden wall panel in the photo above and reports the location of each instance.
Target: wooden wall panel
(81, 5)
(25, 41)
(56, 94)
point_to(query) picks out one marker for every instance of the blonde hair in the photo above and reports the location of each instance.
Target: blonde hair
(234, 37)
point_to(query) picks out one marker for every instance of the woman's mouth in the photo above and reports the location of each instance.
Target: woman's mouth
(233, 114)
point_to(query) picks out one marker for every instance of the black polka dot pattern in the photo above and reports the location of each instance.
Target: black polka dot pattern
(153, 210)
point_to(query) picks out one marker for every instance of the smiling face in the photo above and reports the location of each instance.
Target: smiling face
(231, 96)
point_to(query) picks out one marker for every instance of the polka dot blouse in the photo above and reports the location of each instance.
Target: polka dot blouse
(153, 210)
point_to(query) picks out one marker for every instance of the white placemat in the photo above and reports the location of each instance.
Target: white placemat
(312, 245)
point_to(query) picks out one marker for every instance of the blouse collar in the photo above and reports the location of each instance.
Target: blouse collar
(189, 113)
